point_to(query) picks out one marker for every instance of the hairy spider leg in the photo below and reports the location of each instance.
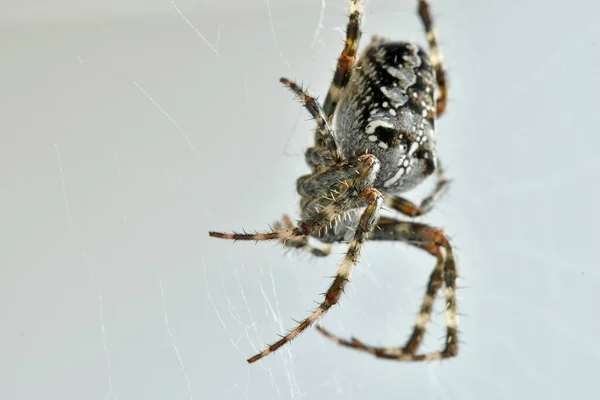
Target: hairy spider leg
(302, 242)
(368, 165)
(324, 129)
(365, 226)
(410, 209)
(347, 58)
(435, 55)
(432, 240)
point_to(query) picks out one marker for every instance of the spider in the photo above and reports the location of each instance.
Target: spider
(384, 144)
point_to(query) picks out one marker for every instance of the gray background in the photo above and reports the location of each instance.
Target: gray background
(128, 132)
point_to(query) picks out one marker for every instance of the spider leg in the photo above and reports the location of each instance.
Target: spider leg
(410, 209)
(364, 177)
(366, 224)
(319, 220)
(346, 59)
(434, 241)
(302, 242)
(323, 127)
(436, 55)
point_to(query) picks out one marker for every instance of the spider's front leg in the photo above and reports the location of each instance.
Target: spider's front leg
(324, 129)
(326, 215)
(363, 177)
(435, 242)
(357, 192)
(365, 226)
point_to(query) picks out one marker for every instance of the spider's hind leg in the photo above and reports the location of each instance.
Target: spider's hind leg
(435, 242)
(410, 209)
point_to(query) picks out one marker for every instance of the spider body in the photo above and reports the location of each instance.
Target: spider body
(388, 110)
(384, 143)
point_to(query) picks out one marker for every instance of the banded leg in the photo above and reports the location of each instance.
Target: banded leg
(365, 226)
(368, 166)
(434, 241)
(410, 209)
(302, 242)
(346, 59)
(324, 129)
(436, 55)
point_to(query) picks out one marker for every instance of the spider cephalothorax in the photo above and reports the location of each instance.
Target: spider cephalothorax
(384, 144)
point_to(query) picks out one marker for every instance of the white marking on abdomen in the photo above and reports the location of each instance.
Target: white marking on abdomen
(376, 124)
(394, 178)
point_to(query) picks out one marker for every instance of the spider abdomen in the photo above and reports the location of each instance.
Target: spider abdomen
(388, 109)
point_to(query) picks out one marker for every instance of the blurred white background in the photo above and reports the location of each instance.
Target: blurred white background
(131, 128)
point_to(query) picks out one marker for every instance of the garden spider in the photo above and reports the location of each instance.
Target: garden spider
(384, 144)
